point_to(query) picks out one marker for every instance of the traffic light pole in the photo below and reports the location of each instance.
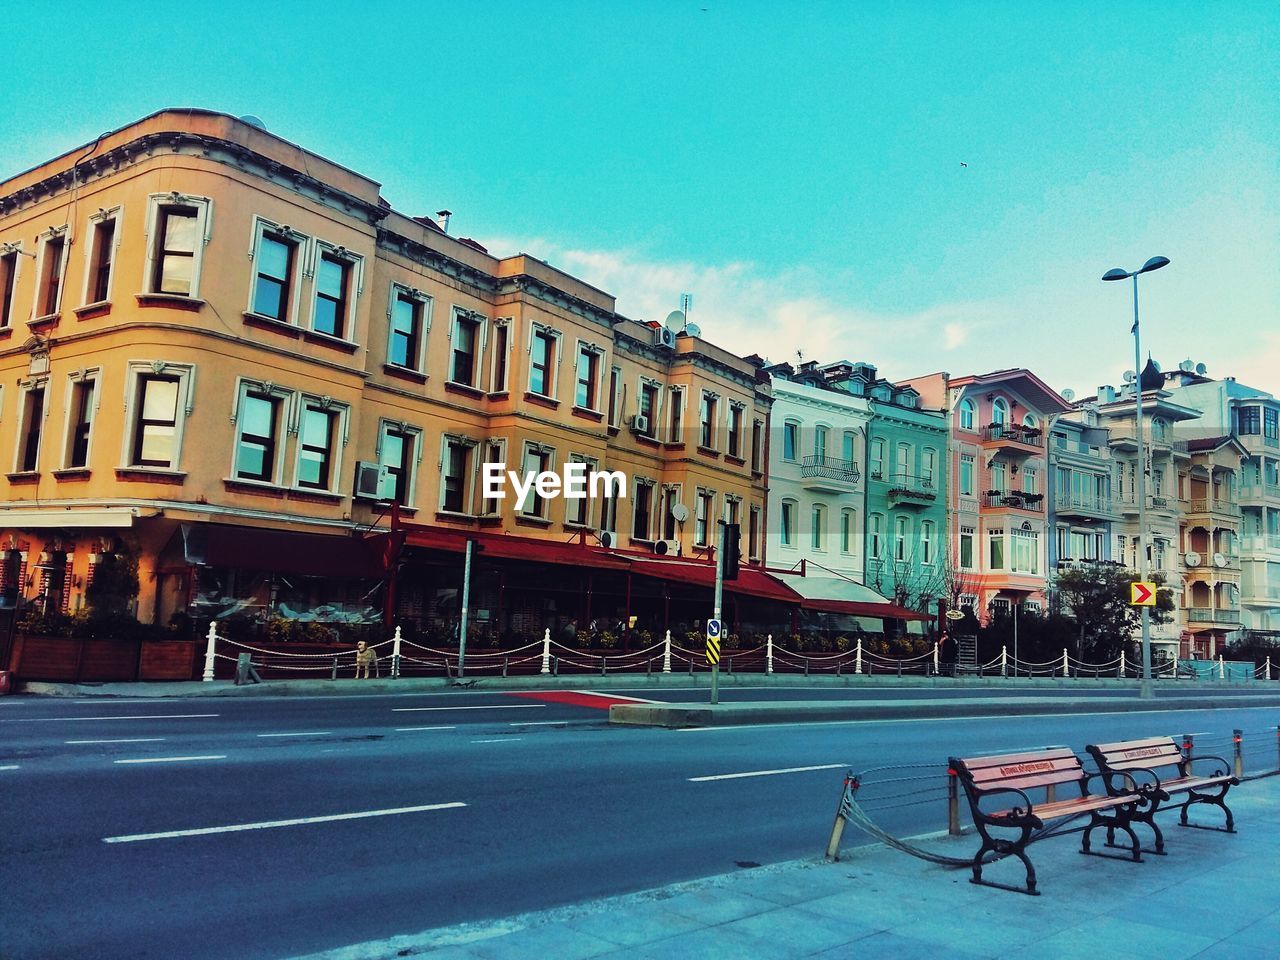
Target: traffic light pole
(715, 667)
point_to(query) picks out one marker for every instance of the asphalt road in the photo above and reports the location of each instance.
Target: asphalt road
(472, 806)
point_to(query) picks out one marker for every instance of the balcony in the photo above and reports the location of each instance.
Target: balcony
(829, 474)
(1093, 508)
(1259, 494)
(1128, 505)
(1225, 510)
(1213, 615)
(910, 491)
(1259, 542)
(1012, 500)
(1010, 438)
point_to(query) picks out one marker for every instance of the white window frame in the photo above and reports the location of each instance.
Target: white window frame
(499, 389)
(553, 392)
(204, 232)
(740, 408)
(703, 498)
(587, 503)
(492, 447)
(19, 255)
(424, 302)
(753, 543)
(355, 286)
(186, 376)
(62, 233)
(675, 431)
(88, 375)
(299, 271)
(409, 430)
(479, 348)
(928, 555)
(818, 526)
(877, 444)
(787, 424)
(26, 387)
(875, 545)
(618, 391)
(901, 538)
(469, 481)
(602, 363)
(285, 425)
(341, 435)
(712, 397)
(972, 461)
(116, 214)
(787, 538)
(653, 489)
(849, 527)
(533, 446)
(969, 412)
(975, 549)
(1000, 404)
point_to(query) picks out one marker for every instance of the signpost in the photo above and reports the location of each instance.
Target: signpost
(1142, 594)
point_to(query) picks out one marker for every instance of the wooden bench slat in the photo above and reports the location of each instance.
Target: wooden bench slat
(1129, 744)
(974, 764)
(1191, 783)
(1067, 808)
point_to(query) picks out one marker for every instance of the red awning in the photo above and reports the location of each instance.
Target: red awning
(286, 551)
(855, 608)
(750, 582)
(573, 553)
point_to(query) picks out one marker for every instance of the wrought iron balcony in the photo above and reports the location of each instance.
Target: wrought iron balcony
(1014, 500)
(907, 488)
(1002, 434)
(820, 466)
(1212, 615)
(1090, 506)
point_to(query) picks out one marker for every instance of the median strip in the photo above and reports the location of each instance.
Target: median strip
(767, 773)
(219, 756)
(271, 824)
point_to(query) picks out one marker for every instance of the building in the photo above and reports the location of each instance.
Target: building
(1081, 508)
(999, 423)
(223, 355)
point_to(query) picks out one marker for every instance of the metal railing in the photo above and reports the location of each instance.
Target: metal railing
(1252, 491)
(1011, 498)
(1011, 433)
(1206, 505)
(831, 468)
(1212, 615)
(918, 488)
(1069, 501)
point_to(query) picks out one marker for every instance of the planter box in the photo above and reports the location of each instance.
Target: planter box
(167, 660)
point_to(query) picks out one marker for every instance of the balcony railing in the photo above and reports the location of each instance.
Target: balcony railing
(913, 487)
(1012, 433)
(831, 468)
(1210, 505)
(1261, 541)
(1011, 498)
(1212, 615)
(1259, 491)
(1069, 501)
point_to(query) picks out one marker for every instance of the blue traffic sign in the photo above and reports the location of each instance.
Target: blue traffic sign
(713, 629)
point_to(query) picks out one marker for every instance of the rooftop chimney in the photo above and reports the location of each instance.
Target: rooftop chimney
(442, 219)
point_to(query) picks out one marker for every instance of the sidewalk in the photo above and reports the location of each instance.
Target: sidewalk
(1215, 895)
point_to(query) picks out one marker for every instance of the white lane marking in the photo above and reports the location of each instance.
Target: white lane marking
(269, 824)
(155, 716)
(102, 702)
(122, 740)
(305, 733)
(11, 766)
(614, 696)
(538, 723)
(219, 756)
(495, 706)
(768, 773)
(500, 740)
(413, 729)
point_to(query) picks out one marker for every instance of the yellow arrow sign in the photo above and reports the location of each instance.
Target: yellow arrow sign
(1142, 594)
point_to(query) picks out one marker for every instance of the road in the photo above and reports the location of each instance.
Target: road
(468, 805)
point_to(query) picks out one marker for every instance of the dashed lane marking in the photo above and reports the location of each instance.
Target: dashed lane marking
(122, 740)
(305, 733)
(767, 773)
(219, 756)
(493, 706)
(152, 716)
(271, 824)
(500, 740)
(10, 766)
(415, 729)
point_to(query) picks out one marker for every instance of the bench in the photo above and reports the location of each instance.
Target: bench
(997, 786)
(1138, 760)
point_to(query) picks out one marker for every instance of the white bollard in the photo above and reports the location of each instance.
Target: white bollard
(1222, 668)
(208, 652)
(546, 651)
(666, 653)
(1004, 661)
(768, 654)
(395, 654)
(1066, 669)
(1123, 665)
(1268, 665)
(935, 658)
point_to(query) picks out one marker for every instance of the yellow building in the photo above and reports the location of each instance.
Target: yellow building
(221, 353)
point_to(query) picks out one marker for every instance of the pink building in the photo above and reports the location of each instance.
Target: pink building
(998, 511)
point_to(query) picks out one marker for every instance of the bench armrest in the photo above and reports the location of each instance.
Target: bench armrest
(1020, 812)
(1192, 761)
(1107, 775)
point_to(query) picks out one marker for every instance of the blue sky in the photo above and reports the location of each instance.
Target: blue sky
(797, 168)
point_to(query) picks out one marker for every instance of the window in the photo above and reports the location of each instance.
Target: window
(904, 462)
(501, 351)
(928, 468)
(670, 497)
(926, 542)
(1271, 425)
(675, 414)
(51, 269)
(966, 548)
(456, 476)
(757, 445)
(901, 534)
(847, 448)
(464, 367)
(648, 403)
(735, 430)
(999, 412)
(999, 476)
(537, 460)
(820, 443)
(404, 348)
(818, 527)
(877, 536)
(397, 451)
(787, 524)
(707, 437)
(847, 520)
(542, 359)
(156, 423)
(615, 401)
(80, 426)
(495, 451)
(316, 433)
(1030, 477)
(968, 415)
(877, 459)
(273, 281)
(577, 511)
(101, 256)
(703, 510)
(177, 231)
(732, 509)
(753, 534)
(1160, 429)
(588, 377)
(641, 510)
(33, 411)
(259, 424)
(333, 295)
(966, 475)
(1026, 551)
(995, 549)
(1030, 422)
(9, 262)
(609, 514)
(790, 440)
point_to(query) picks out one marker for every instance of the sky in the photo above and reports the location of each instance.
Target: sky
(921, 185)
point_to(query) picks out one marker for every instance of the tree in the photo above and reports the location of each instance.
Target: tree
(1097, 598)
(114, 587)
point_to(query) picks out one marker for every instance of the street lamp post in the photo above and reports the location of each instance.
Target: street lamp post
(1145, 690)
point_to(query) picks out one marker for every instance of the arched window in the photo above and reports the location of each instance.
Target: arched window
(1030, 421)
(968, 415)
(999, 412)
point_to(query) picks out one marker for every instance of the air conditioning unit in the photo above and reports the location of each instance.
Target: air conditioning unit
(606, 538)
(664, 338)
(374, 480)
(667, 548)
(639, 423)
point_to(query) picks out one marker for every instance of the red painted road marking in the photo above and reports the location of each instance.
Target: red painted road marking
(580, 698)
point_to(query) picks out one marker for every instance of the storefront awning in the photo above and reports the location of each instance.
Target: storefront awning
(282, 551)
(571, 553)
(750, 582)
(837, 595)
(101, 518)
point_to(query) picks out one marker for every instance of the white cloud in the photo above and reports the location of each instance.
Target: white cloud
(954, 335)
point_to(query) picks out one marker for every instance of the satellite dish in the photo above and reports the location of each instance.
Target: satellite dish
(253, 121)
(1192, 558)
(679, 512)
(1219, 560)
(693, 330)
(676, 321)
(1201, 369)
(1186, 366)
(1068, 394)
(1129, 376)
